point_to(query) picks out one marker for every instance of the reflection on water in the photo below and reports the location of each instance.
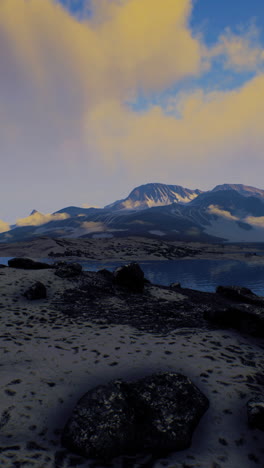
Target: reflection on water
(206, 275)
(203, 275)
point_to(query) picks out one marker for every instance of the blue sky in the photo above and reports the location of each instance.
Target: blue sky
(96, 103)
(215, 15)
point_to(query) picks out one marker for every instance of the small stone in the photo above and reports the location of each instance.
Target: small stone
(37, 291)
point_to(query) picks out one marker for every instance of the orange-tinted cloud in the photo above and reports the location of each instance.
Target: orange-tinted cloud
(214, 209)
(37, 219)
(65, 84)
(105, 58)
(4, 226)
(255, 221)
(213, 128)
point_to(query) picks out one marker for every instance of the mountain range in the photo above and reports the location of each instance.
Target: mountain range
(228, 213)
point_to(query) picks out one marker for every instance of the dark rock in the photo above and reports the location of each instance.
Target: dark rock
(242, 318)
(37, 291)
(67, 270)
(157, 414)
(238, 294)
(2, 265)
(175, 285)
(102, 424)
(255, 412)
(108, 275)
(27, 264)
(168, 407)
(130, 276)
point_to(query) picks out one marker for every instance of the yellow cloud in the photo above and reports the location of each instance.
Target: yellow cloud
(100, 58)
(255, 221)
(214, 209)
(37, 219)
(213, 128)
(65, 82)
(91, 226)
(4, 227)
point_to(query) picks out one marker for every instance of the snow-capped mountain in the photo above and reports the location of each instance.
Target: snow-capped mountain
(229, 212)
(154, 194)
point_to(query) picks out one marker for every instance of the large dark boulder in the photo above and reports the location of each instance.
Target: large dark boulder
(36, 291)
(130, 276)
(157, 414)
(247, 319)
(27, 264)
(102, 424)
(255, 412)
(168, 408)
(67, 270)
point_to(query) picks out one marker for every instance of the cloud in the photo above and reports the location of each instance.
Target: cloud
(37, 219)
(216, 210)
(86, 205)
(112, 54)
(66, 83)
(240, 52)
(214, 131)
(255, 221)
(56, 70)
(4, 226)
(91, 226)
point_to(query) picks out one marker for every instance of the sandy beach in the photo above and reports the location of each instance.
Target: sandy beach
(50, 360)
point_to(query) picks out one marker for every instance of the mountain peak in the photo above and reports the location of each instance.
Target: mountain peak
(155, 194)
(245, 190)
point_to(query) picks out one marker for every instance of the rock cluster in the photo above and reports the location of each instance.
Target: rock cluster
(156, 414)
(67, 270)
(243, 310)
(238, 293)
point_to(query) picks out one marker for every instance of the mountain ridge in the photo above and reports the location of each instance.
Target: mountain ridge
(228, 212)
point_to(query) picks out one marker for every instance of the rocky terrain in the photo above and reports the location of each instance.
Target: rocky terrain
(84, 329)
(128, 249)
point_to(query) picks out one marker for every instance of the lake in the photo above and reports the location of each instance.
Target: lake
(203, 275)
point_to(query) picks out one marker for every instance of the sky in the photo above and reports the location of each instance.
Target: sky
(100, 96)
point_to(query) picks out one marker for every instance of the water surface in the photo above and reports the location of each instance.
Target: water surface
(203, 275)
